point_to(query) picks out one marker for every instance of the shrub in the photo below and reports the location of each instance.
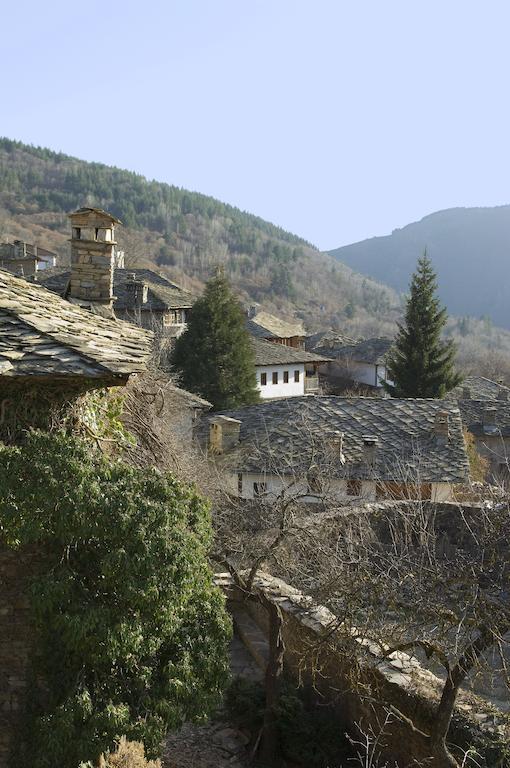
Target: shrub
(130, 633)
(129, 754)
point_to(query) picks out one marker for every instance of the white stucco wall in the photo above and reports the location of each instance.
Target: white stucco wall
(368, 373)
(442, 492)
(336, 489)
(363, 373)
(291, 389)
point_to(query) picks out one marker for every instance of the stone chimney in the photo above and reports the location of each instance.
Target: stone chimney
(252, 310)
(336, 441)
(223, 434)
(370, 445)
(466, 393)
(92, 257)
(442, 427)
(137, 291)
(489, 418)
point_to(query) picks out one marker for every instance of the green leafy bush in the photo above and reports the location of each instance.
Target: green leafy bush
(130, 632)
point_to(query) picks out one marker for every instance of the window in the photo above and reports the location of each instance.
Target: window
(259, 489)
(296, 376)
(239, 483)
(76, 233)
(354, 487)
(263, 379)
(285, 377)
(275, 377)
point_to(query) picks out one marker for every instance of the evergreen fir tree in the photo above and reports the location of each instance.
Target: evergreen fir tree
(214, 354)
(421, 364)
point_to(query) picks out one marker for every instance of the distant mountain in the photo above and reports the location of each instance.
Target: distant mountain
(469, 247)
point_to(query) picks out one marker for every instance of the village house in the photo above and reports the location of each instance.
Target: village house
(479, 388)
(285, 371)
(98, 281)
(362, 362)
(25, 259)
(51, 347)
(485, 410)
(263, 325)
(333, 447)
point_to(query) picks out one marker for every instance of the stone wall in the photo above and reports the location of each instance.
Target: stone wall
(396, 687)
(15, 645)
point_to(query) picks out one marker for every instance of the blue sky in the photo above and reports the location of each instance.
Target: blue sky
(336, 119)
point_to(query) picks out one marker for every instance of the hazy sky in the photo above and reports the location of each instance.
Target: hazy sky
(337, 119)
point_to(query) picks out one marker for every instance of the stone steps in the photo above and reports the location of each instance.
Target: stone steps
(251, 636)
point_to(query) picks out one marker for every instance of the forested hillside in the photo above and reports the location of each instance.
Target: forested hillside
(469, 247)
(185, 235)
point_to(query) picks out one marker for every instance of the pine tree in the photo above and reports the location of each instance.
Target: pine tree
(214, 354)
(421, 364)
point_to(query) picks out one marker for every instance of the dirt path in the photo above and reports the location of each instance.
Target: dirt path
(216, 744)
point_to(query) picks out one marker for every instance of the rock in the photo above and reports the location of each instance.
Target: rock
(231, 740)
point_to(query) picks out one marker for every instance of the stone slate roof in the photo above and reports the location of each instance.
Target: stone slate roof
(266, 326)
(472, 417)
(280, 436)
(189, 398)
(479, 388)
(372, 351)
(162, 294)
(326, 340)
(272, 353)
(46, 336)
(99, 212)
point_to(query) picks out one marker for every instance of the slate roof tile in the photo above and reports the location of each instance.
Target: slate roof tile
(372, 351)
(272, 353)
(479, 388)
(44, 335)
(280, 435)
(162, 293)
(263, 325)
(472, 413)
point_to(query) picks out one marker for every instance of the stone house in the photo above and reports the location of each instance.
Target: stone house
(335, 448)
(98, 281)
(285, 371)
(263, 325)
(485, 410)
(362, 362)
(25, 259)
(51, 351)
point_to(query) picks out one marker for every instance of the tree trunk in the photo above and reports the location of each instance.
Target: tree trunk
(274, 671)
(444, 712)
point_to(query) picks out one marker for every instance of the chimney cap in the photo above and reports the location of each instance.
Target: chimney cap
(97, 211)
(224, 420)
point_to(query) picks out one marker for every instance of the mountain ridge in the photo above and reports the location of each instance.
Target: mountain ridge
(469, 247)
